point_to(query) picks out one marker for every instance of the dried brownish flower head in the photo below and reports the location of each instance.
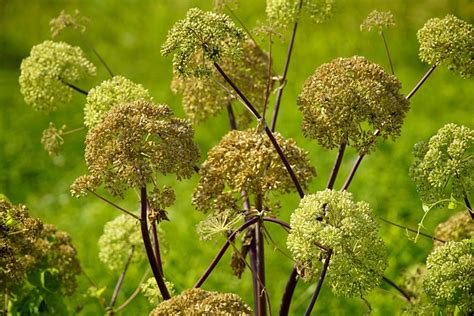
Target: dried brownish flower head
(347, 100)
(132, 144)
(206, 96)
(458, 227)
(28, 245)
(64, 20)
(247, 161)
(201, 302)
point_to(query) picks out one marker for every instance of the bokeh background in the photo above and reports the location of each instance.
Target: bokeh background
(128, 34)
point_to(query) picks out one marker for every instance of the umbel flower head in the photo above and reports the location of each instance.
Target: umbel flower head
(152, 293)
(202, 37)
(46, 73)
(132, 144)
(443, 166)
(247, 161)
(378, 20)
(52, 139)
(458, 227)
(205, 97)
(282, 13)
(117, 90)
(27, 246)
(347, 100)
(412, 282)
(201, 302)
(448, 41)
(332, 219)
(450, 271)
(119, 236)
(65, 20)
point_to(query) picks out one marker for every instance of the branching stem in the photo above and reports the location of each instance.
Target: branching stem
(399, 289)
(388, 52)
(114, 205)
(336, 166)
(75, 88)
(322, 275)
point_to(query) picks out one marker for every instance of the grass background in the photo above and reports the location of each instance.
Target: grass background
(129, 34)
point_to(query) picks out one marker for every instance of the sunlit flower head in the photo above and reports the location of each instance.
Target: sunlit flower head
(378, 20)
(283, 13)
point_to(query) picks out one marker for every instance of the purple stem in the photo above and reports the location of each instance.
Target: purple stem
(320, 283)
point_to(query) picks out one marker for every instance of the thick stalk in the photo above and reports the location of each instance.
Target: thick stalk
(285, 69)
(222, 251)
(468, 204)
(322, 275)
(269, 133)
(260, 252)
(121, 277)
(156, 247)
(230, 114)
(336, 166)
(421, 82)
(149, 248)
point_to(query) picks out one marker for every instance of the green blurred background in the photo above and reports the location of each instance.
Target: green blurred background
(128, 34)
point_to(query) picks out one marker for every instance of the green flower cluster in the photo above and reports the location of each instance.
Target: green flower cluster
(221, 223)
(52, 139)
(247, 161)
(150, 290)
(378, 20)
(346, 100)
(332, 219)
(450, 271)
(201, 302)
(205, 97)
(132, 144)
(119, 236)
(64, 20)
(28, 247)
(282, 13)
(444, 165)
(448, 41)
(412, 281)
(458, 227)
(46, 73)
(117, 90)
(202, 36)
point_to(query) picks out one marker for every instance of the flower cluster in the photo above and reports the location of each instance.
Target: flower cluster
(282, 13)
(332, 219)
(117, 90)
(247, 161)
(119, 236)
(220, 5)
(378, 20)
(152, 293)
(450, 271)
(217, 224)
(46, 73)
(201, 302)
(134, 142)
(204, 97)
(347, 100)
(444, 165)
(202, 36)
(458, 227)
(159, 200)
(448, 41)
(412, 281)
(52, 139)
(27, 245)
(64, 20)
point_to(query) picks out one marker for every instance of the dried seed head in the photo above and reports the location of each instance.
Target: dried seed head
(378, 20)
(332, 219)
(117, 90)
(64, 20)
(444, 165)
(48, 69)
(52, 139)
(205, 97)
(448, 41)
(133, 143)
(347, 100)
(458, 227)
(208, 35)
(201, 302)
(247, 161)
